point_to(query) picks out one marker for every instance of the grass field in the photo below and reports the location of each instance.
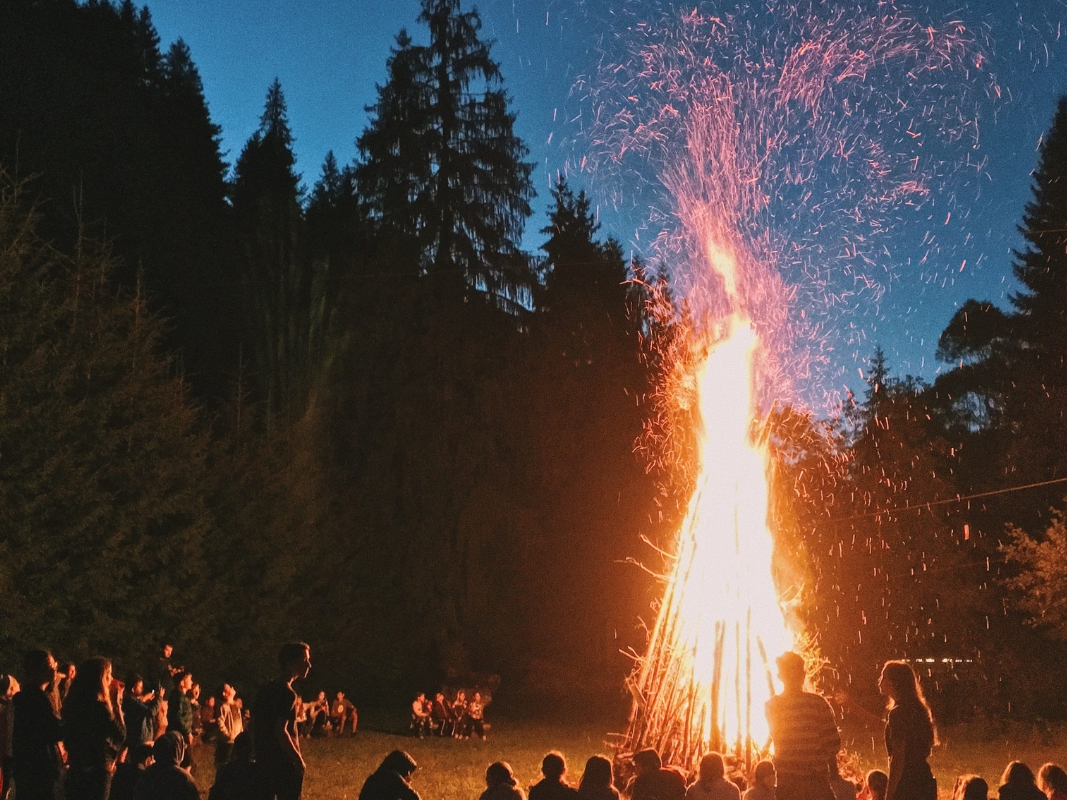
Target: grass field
(454, 770)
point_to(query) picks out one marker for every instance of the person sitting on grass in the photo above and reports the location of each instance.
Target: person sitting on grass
(1018, 783)
(875, 785)
(598, 780)
(343, 711)
(500, 783)
(420, 716)
(440, 716)
(553, 786)
(842, 787)
(1052, 780)
(459, 715)
(652, 781)
(128, 773)
(320, 715)
(763, 782)
(475, 716)
(240, 778)
(970, 787)
(165, 779)
(391, 780)
(712, 783)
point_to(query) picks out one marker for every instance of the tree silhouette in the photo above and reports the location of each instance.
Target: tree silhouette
(441, 161)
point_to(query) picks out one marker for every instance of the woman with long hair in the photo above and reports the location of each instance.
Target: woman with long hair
(909, 734)
(94, 730)
(1018, 783)
(598, 780)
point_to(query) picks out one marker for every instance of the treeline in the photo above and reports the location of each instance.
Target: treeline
(234, 410)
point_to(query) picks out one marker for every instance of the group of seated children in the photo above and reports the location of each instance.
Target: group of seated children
(320, 717)
(458, 718)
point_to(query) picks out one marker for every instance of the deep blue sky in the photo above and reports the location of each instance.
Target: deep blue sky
(329, 54)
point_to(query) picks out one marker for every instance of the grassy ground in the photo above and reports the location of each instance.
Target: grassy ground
(454, 770)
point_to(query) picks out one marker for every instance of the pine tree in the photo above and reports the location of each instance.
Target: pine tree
(277, 283)
(102, 513)
(441, 161)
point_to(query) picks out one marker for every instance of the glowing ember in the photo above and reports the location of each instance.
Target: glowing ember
(788, 138)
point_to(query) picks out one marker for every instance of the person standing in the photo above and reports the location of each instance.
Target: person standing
(36, 732)
(9, 687)
(230, 725)
(95, 730)
(276, 740)
(163, 671)
(804, 733)
(909, 734)
(180, 715)
(138, 711)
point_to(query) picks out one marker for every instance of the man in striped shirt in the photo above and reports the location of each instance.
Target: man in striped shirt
(804, 733)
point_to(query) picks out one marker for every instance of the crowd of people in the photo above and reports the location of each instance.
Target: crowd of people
(805, 765)
(455, 717)
(80, 733)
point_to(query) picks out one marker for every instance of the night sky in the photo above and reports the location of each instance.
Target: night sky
(329, 54)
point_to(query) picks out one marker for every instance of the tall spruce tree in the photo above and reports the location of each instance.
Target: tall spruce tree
(1012, 367)
(440, 160)
(277, 283)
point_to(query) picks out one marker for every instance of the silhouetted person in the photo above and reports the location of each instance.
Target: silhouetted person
(94, 730)
(712, 783)
(652, 781)
(166, 779)
(874, 785)
(240, 778)
(9, 687)
(763, 782)
(37, 734)
(804, 733)
(970, 787)
(128, 773)
(390, 780)
(909, 734)
(67, 673)
(1052, 780)
(500, 783)
(598, 780)
(1018, 783)
(277, 741)
(553, 785)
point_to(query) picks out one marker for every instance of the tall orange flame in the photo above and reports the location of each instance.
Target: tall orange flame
(705, 679)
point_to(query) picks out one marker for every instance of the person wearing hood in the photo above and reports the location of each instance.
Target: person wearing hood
(390, 780)
(500, 783)
(165, 779)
